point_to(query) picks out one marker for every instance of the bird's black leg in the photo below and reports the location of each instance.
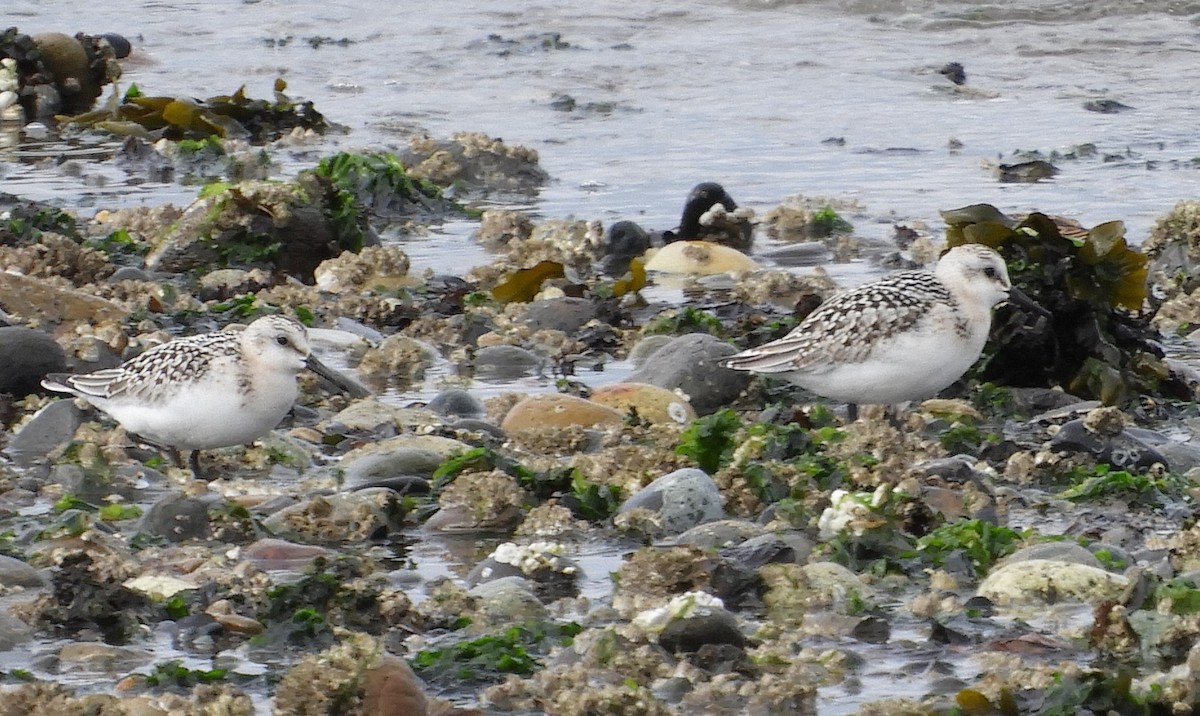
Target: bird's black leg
(851, 412)
(194, 462)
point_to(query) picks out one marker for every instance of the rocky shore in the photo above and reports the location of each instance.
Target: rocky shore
(1024, 543)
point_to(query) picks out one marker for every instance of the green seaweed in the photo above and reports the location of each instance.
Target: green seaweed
(981, 542)
(710, 440)
(488, 658)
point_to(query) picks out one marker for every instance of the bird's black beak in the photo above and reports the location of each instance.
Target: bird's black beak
(343, 382)
(1018, 298)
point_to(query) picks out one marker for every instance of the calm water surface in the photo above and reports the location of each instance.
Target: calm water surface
(671, 93)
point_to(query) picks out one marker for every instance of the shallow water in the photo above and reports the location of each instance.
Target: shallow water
(672, 93)
(738, 92)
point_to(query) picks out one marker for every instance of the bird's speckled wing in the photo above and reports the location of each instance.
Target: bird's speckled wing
(846, 328)
(177, 363)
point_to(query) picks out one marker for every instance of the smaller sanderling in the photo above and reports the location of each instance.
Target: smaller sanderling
(205, 391)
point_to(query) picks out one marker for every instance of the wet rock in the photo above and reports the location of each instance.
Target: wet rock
(565, 314)
(479, 501)
(699, 258)
(457, 402)
(955, 72)
(558, 410)
(282, 224)
(375, 268)
(337, 679)
(644, 349)
(1044, 581)
(50, 427)
(500, 227)
(399, 358)
(15, 573)
(67, 61)
(1174, 251)
(178, 518)
(760, 550)
(372, 414)
(543, 563)
(795, 590)
(872, 630)
(36, 298)
(679, 501)
(690, 621)
(623, 242)
(1123, 451)
(342, 517)
(1025, 172)
(226, 283)
(503, 364)
(102, 657)
(477, 163)
(690, 364)
(27, 356)
(719, 534)
(269, 554)
(13, 632)
(648, 402)
(397, 463)
(1105, 106)
(390, 688)
(1071, 552)
(86, 595)
(508, 600)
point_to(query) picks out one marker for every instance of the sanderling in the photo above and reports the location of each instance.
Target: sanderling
(903, 337)
(205, 391)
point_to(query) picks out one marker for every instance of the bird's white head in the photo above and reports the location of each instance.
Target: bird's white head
(975, 274)
(278, 341)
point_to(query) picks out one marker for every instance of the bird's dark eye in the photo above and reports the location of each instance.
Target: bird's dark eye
(281, 340)
(991, 272)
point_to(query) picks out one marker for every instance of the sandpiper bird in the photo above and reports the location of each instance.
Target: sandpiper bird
(901, 338)
(205, 391)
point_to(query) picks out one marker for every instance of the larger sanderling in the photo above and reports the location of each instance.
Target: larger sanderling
(903, 337)
(205, 391)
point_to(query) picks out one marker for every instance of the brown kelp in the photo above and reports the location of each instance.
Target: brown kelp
(1097, 342)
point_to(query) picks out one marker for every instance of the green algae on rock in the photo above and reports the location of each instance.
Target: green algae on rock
(1096, 343)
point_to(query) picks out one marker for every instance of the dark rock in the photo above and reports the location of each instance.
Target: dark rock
(561, 314)
(873, 630)
(955, 72)
(691, 364)
(623, 242)
(26, 356)
(505, 363)
(1123, 451)
(458, 403)
(1105, 106)
(87, 599)
(689, 634)
(52, 426)
(177, 518)
(683, 499)
(15, 573)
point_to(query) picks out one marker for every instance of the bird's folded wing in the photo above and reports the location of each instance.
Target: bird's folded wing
(845, 329)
